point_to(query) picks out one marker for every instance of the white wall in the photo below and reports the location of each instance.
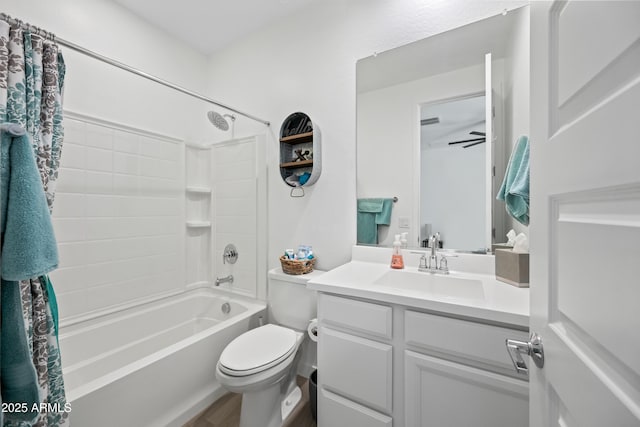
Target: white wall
(97, 89)
(306, 62)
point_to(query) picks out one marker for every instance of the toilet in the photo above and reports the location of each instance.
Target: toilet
(262, 363)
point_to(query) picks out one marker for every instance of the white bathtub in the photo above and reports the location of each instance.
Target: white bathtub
(152, 365)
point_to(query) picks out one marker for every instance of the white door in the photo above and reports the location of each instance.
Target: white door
(585, 212)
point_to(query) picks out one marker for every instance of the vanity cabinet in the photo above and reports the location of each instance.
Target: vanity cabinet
(392, 365)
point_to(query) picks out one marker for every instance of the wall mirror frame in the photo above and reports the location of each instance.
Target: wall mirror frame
(489, 57)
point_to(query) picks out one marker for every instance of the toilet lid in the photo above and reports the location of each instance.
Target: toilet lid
(257, 350)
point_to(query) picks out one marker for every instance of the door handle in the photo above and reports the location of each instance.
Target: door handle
(532, 348)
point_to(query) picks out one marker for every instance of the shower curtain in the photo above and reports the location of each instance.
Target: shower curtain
(31, 81)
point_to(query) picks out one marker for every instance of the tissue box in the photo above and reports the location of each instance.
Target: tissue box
(512, 267)
(500, 246)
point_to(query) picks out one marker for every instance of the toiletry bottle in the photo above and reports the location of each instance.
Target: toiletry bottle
(403, 240)
(396, 258)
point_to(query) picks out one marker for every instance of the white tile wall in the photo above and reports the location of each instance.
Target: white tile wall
(118, 216)
(235, 205)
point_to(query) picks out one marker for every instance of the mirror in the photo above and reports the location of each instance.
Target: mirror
(468, 86)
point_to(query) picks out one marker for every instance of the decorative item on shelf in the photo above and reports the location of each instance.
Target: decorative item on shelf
(299, 123)
(302, 155)
(300, 160)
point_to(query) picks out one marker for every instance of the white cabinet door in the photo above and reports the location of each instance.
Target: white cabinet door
(585, 212)
(442, 393)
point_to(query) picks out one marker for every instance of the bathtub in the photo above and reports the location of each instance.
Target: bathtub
(154, 364)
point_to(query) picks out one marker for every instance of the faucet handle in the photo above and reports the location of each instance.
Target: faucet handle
(444, 267)
(423, 262)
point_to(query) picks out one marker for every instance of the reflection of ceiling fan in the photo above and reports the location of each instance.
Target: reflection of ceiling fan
(473, 141)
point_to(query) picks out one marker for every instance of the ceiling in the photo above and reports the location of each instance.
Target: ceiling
(208, 25)
(456, 119)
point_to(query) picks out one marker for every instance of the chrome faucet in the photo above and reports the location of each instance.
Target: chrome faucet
(226, 279)
(431, 264)
(433, 259)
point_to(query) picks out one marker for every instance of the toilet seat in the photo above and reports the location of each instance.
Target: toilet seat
(258, 350)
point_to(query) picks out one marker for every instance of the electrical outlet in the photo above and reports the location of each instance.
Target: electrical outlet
(403, 222)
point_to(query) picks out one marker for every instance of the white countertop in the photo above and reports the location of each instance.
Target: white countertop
(492, 300)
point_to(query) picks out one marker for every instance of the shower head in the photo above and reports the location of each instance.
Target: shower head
(219, 121)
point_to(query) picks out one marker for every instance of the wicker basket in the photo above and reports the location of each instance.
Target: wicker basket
(295, 266)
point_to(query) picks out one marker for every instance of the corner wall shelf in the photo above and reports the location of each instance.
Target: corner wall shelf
(198, 224)
(199, 190)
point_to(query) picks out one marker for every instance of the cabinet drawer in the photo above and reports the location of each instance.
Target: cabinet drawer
(355, 367)
(359, 316)
(334, 411)
(461, 338)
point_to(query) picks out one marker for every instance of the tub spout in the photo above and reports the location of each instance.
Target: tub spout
(227, 279)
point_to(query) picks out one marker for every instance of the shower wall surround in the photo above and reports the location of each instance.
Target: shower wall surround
(226, 203)
(118, 216)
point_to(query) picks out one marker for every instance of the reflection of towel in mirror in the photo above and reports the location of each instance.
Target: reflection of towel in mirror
(371, 213)
(515, 186)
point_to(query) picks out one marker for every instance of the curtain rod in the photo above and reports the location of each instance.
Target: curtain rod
(122, 66)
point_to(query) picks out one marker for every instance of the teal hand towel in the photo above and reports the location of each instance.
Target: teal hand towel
(371, 213)
(384, 217)
(29, 245)
(515, 186)
(17, 372)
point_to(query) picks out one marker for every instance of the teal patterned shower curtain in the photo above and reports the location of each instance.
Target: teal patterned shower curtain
(31, 81)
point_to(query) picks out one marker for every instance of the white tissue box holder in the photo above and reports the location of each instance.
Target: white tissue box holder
(512, 267)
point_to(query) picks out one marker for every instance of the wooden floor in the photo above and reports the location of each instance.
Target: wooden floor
(225, 412)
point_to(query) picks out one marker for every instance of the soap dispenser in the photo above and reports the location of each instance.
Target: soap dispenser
(396, 259)
(403, 240)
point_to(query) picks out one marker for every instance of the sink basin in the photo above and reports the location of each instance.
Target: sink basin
(434, 284)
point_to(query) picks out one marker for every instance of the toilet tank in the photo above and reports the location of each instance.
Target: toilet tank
(290, 303)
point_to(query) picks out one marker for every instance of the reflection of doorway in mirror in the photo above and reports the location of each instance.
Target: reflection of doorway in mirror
(452, 171)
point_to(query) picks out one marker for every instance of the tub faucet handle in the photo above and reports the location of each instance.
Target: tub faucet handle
(230, 254)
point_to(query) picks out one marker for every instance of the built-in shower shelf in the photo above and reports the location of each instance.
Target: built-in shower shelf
(198, 224)
(198, 190)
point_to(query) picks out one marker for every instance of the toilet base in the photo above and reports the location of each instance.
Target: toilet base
(290, 402)
(263, 408)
